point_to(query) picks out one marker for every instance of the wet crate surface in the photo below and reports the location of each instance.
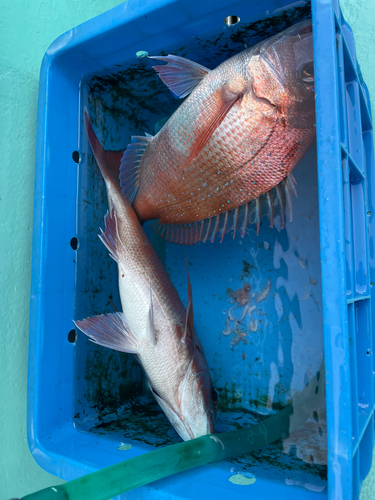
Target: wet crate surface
(257, 365)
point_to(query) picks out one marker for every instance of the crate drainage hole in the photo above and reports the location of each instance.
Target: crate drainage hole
(74, 243)
(72, 336)
(76, 157)
(124, 447)
(231, 20)
(242, 478)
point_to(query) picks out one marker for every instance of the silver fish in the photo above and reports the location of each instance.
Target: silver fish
(154, 325)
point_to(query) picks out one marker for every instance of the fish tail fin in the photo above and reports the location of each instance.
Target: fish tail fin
(129, 168)
(109, 330)
(108, 161)
(236, 220)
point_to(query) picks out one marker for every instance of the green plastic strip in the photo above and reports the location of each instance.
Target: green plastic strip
(163, 462)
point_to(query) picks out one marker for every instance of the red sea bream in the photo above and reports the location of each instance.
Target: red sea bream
(238, 135)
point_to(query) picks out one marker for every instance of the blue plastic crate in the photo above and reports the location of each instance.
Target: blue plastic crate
(84, 401)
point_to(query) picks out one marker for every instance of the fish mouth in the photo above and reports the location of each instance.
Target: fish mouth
(178, 421)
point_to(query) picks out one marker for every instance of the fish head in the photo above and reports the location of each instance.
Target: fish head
(196, 398)
(282, 74)
(191, 410)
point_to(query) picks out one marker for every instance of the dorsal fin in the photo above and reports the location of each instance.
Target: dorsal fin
(237, 218)
(180, 75)
(129, 167)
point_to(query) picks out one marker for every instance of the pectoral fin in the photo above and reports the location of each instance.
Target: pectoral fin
(111, 331)
(180, 75)
(150, 328)
(213, 110)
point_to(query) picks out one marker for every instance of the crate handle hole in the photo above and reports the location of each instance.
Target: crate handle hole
(76, 157)
(72, 336)
(74, 243)
(231, 20)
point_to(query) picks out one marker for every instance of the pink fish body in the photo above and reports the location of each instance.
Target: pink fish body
(154, 325)
(239, 134)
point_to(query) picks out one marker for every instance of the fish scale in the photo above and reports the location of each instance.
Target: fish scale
(240, 132)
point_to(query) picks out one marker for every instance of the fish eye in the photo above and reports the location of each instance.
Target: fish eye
(307, 74)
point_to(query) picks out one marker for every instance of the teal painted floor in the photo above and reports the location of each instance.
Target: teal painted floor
(27, 28)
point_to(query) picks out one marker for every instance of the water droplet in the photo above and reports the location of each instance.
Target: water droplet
(141, 53)
(124, 447)
(242, 478)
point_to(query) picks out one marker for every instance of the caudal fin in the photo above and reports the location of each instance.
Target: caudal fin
(108, 161)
